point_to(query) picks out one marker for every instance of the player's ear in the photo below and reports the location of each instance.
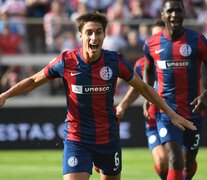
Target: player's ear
(80, 35)
(162, 16)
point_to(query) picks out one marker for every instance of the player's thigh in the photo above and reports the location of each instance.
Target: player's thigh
(191, 144)
(158, 151)
(153, 138)
(189, 159)
(76, 176)
(167, 131)
(175, 156)
(159, 155)
(105, 177)
(192, 138)
(189, 156)
(77, 158)
(108, 159)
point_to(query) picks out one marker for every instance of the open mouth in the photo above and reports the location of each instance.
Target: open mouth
(175, 23)
(93, 47)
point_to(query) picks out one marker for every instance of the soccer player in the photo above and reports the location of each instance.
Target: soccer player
(177, 53)
(158, 152)
(89, 75)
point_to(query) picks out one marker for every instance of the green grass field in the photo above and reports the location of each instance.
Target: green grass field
(45, 164)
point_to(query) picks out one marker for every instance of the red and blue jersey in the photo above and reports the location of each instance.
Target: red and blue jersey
(139, 66)
(139, 69)
(90, 87)
(177, 64)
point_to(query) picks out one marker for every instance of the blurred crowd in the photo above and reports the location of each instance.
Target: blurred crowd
(47, 26)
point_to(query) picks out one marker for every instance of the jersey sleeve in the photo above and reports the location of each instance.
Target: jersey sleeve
(125, 70)
(55, 68)
(147, 52)
(138, 68)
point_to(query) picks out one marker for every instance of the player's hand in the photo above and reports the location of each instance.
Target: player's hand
(182, 123)
(2, 99)
(119, 112)
(146, 105)
(200, 102)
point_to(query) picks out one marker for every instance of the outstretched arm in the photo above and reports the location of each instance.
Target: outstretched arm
(24, 86)
(150, 94)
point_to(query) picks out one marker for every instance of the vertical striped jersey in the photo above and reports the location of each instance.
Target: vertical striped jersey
(90, 88)
(177, 65)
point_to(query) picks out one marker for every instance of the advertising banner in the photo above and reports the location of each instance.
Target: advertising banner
(43, 128)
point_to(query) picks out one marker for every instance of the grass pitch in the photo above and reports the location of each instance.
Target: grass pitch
(47, 164)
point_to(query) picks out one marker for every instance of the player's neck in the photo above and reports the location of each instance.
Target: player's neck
(88, 58)
(174, 34)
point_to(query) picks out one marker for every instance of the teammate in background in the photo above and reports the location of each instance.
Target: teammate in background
(158, 152)
(91, 126)
(177, 53)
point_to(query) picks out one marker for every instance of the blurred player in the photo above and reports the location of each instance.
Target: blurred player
(177, 54)
(91, 126)
(158, 152)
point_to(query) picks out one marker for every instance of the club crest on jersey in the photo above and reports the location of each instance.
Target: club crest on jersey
(106, 73)
(185, 50)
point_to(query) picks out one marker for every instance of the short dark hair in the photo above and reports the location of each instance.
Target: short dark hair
(165, 1)
(91, 16)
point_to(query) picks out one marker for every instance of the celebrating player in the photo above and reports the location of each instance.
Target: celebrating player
(89, 75)
(177, 54)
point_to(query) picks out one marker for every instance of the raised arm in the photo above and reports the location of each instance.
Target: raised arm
(24, 86)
